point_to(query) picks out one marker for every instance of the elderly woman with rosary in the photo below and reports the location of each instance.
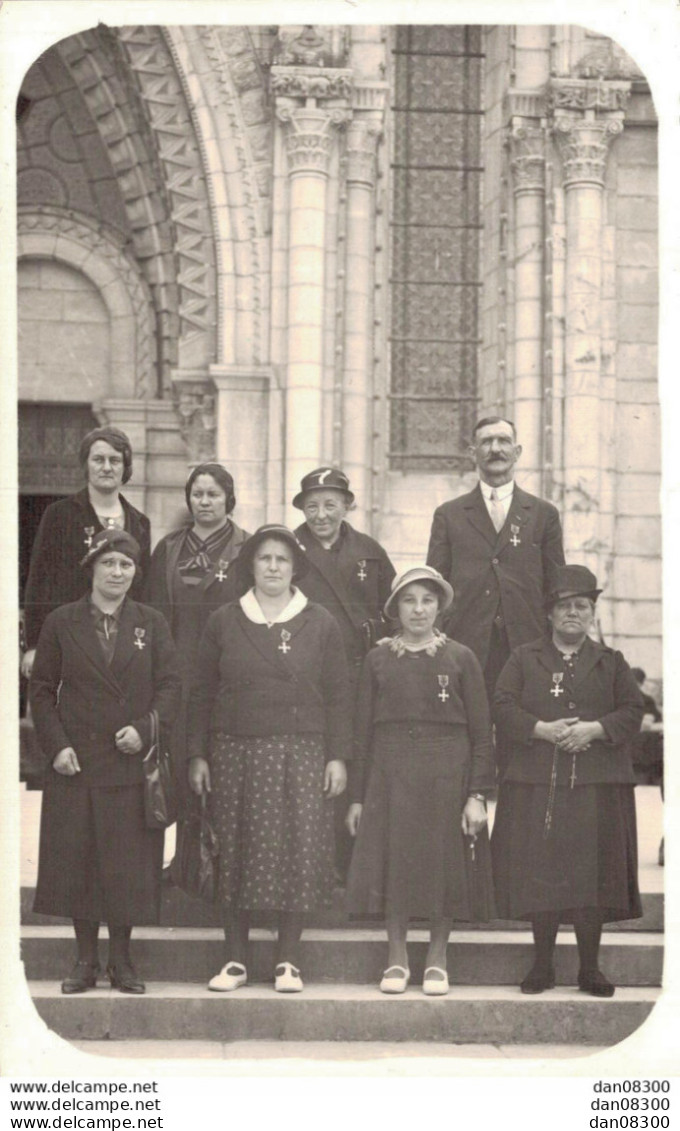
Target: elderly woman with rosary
(564, 842)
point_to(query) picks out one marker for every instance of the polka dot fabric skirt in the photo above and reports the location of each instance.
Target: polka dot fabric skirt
(275, 826)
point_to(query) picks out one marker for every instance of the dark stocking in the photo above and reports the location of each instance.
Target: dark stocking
(544, 928)
(236, 926)
(290, 932)
(119, 944)
(588, 928)
(87, 933)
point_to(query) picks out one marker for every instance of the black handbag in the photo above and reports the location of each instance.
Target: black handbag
(194, 868)
(160, 794)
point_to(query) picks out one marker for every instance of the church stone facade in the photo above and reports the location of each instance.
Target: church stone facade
(287, 246)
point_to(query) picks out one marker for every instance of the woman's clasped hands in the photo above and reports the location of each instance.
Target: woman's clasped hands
(571, 735)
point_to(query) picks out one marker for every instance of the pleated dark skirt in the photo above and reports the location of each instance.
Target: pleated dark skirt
(588, 859)
(273, 822)
(97, 859)
(411, 857)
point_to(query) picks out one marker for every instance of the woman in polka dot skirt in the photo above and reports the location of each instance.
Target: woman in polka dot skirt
(269, 726)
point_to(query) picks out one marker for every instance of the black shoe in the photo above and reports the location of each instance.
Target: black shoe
(82, 977)
(594, 982)
(538, 979)
(125, 978)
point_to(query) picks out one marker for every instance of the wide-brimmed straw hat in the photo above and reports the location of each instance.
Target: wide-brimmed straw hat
(112, 539)
(244, 562)
(572, 581)
(418, 573)
(329, 478)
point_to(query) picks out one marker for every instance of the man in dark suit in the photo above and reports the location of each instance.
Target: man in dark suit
(499, 548)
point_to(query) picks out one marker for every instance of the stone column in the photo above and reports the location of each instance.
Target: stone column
(527, 139)
(309, 138)
(362, 140)
(587, 116)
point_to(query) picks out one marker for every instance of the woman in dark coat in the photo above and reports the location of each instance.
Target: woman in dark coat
(102, 665)
(69, 526)
(564, 841)
(419, 779)
(269, 732)
(191, 575)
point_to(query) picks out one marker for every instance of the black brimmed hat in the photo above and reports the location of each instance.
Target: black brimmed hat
(418, 573)
(330, 478)
(572, 581)
(112, 539)
(244, 562)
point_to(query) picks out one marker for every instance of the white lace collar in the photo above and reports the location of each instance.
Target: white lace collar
(430, 647)
(251, 607)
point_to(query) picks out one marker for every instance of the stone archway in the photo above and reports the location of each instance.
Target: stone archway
(64, 237)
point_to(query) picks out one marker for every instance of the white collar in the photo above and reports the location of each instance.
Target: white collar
(251, 607)
(502, 492)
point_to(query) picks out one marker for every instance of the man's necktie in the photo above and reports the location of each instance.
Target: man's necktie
(496, 510)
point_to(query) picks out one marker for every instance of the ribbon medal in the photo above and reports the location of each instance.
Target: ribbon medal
(221, 573)
(89, 531)
(443, 681)
(362, 575)
(284, 646)
(557, 680)
(140, 642)
(515, 540)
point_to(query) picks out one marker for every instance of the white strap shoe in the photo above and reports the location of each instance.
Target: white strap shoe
(230, 977)
(395, 980)
(287, 979)
(435, 986)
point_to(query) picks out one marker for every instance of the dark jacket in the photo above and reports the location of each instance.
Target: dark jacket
(502, 577)
(246, 684)
(603, 689)
(441, 693)
(218, 587)
(55, 577)
(78, 700)
(352, 580)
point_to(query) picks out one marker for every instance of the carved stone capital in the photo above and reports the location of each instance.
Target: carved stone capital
(309, 137)
(583, 145)
(195, 408)
(527, 157)
(317, 83)
(362, 144)
(370, 96)
(601, 95)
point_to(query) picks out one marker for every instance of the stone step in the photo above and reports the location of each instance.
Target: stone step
(180, 910)
(350, 957)
(468, 1015)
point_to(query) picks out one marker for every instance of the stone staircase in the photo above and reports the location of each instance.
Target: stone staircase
(342, 964)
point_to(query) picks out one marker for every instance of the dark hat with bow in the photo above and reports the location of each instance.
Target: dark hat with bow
(572, 581)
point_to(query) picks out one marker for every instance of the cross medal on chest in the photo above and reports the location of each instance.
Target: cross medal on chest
(557, 679)
(284, 646)
(140, 642)
(443, 683)
(89, 531)
(515, 540)
(362, 575)
(220, 575)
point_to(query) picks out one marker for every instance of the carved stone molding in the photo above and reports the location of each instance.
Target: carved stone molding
(362, 144)
(607, 96)
(311, 82)
(160, 88)
(527, 157)
(370, 96)
(109, 267)
(584, 146)
(525, 104)
(309, 137)
(196, 411)
(311, 46)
